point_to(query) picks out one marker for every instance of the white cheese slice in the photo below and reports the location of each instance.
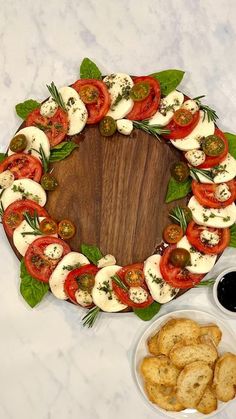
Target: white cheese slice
(103, 294)
(167, 108)
(6, 179)
(158, 287)
(24, 188)
(107, 260)
(124, 126)
(83, 298)
(53, 251)
(57, 279)
(190, 105)
(195, 157)
(138, 295)
(116, 84)
(212, 217)
(77, 112)
(222, 192)
(48, 108)
(36, 139)
(225, 172)
(200, 262)
(209, 237)
(192, 141)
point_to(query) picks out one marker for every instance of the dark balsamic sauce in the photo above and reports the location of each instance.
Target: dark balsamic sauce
(226, 291)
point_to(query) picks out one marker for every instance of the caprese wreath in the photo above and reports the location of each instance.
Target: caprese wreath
(197, 234)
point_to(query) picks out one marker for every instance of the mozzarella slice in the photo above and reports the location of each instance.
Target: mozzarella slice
(107, 260)
(103, 294)
(212, 217)
(77, 112)
(117, 84)
(48, 108)
(195, 157)
(138, 294)
(192, 141)
(222, 192)
(21, 241)
(158, 287)
(57, 279)
(21, 189)
(225, 172)
(53, 251)
(200, 262)
(167, 108)
(209, 237)
(190, 105)
(36, 139)
(124, 126)
(83, 298)
(6, 179)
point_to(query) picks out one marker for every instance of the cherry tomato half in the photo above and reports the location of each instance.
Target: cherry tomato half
(107, 126)
(66, 229)
(212, 161)
(213, 145)
(48, 226)
(183, 117)
(18, 143)
(179, 257)
(180, 171)
(173, 233)
(140, 91)
(48, 182)
(89, 94)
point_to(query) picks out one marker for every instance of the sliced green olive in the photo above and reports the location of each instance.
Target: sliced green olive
(180, 257)
(213, 145)
(18, 143)
(107, 126)
(48, 182)
(180, 171)
(140, 91)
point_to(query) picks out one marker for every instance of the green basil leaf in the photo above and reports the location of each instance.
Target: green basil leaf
(2, 157)
(207, 283)
(31, 289)
(89, 70)
(177, 190)
(23, 109)
(149, 312)
(232, 242)
(168, 79)
(62, 150)
(93, 253)
(232, 143)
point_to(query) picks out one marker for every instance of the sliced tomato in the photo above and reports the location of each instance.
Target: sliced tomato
(23, 166)
(146, 108)
(14, 214)
(55, 127)
(178, 132)
(126, 275)
(214, 161)
(80, 278)
(205, 194)
(99, 107)
(37, 263)
(177, 277)
(193, 234)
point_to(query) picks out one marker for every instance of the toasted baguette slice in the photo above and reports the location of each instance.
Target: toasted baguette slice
(176, 330)
(152, 345)
(224, 381)
(213, 331)
(192, 382)
(183, 354)
(164, 397)
(159, 370)
(208, 402)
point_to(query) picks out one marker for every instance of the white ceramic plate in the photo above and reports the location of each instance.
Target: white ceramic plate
(227, 344)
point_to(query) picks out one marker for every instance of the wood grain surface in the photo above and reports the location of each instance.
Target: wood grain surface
(114, 189)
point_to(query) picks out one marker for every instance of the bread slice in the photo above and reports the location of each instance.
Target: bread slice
(213, 331)
(164, 397)
(208, 402)
(159, 370)
(152, 345)
(224, 382)
(192, 382)
(176, 330)
(182, 354)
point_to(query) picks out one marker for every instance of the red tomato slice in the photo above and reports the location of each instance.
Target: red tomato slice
(55, 127)
(214, 161)
(23, 166)
(37, 263)
(14, 214)
(97, 110)
(147, 107)
(205, 194)
(193, 234)
(122, 294)
(71, 284)
(178, 132)
(177, 277)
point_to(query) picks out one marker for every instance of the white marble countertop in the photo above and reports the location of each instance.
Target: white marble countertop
(51, 367)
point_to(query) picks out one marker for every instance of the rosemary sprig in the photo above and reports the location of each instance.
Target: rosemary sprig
(43, 158)
(120, 283)
(1, 209)
(177, 214)
(155, 130)
(207, 283)
(91, 317)
(196, 172)
(56, 96)
(208, 112)
(33, 223)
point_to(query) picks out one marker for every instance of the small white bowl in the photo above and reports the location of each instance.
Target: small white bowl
(219, 305)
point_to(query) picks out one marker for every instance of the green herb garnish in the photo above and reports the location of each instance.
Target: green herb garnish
(209, 113)
(120, 283)
(25, 108)
(149, 312)
(196, 172)
(207, 283)
(177, 190)
(177, 214)
(93, 253)
(33, 223)
(91, 317)
(56, 96)
(168, 79)
(61, 151)
(155, 130)
(31, 289)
